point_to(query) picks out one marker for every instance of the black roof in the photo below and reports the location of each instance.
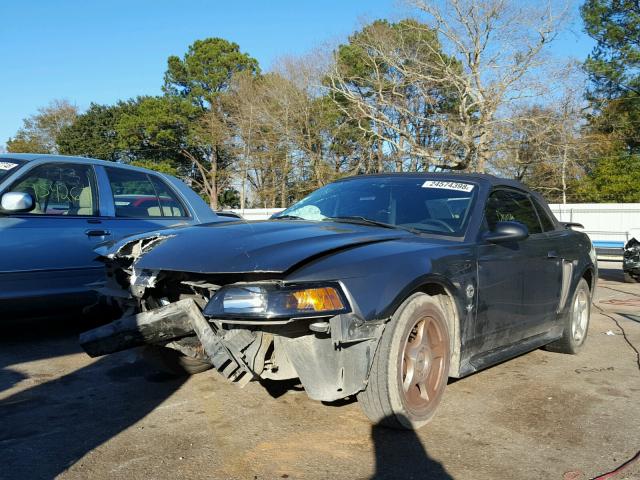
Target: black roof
(485, 178)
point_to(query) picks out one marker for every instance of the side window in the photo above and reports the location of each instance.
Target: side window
(171, 206)
(60, 189)
(508, 205)
(138, 195)
(547, 223)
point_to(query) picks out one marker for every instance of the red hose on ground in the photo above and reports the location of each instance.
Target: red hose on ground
(610, 474)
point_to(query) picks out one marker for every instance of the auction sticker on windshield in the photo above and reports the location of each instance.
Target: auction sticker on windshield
(7, 165)
(459, 186)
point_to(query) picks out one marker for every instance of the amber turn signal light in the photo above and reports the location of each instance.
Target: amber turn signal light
(321, 299)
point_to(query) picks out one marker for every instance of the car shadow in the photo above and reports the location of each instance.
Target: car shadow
(400, 454)
(629, 316)
(27, 340)
(48, 427)
(36, 338)
(278, 388)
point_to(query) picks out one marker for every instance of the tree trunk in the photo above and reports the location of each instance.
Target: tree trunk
(283, 190)
(482, 153)
(243, 190)
(380, 153)
(213, 181)
(564, 174)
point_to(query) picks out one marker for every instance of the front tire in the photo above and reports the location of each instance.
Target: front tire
(411, 366)
(171, 361)
(576, 322)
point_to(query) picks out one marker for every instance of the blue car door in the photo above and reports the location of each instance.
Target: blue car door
(47, 253)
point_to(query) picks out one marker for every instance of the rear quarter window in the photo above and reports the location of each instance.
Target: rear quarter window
(547, 224)
(141, 195)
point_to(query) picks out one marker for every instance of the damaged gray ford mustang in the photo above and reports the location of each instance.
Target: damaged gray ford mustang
(379, 286)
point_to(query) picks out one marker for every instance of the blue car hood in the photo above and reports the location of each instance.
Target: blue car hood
(238, 247)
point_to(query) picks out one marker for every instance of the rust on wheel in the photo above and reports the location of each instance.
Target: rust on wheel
(424, 364)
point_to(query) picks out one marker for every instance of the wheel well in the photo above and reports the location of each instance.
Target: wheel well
(453, 321)
(588, 276)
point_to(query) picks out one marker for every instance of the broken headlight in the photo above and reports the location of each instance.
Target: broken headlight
(276, 301)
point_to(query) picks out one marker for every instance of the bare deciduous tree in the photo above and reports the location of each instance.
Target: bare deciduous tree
(39, 132)
(545, 146)
(483, 54)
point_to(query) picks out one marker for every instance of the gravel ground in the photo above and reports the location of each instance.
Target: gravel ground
(540, 416)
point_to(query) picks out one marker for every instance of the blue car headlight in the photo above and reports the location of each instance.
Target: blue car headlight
(270, 300)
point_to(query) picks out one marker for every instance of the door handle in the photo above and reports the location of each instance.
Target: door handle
(552, 254)
(97, 233)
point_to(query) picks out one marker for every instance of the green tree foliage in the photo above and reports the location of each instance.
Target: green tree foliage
(25, 143)
(614, 71)
(614, 64)
(389, 78)
(39, 133)
(229, 198)
(94, 133)
(206, 70)
(159, 166)
(157, 129)
(201, 77)
(613, 178)
(614, 68)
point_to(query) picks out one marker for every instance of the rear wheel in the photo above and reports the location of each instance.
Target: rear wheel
(411, 366)
(576, 322)
(173, 362)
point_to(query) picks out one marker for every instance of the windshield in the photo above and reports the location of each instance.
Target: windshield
(8, 166)
(431, 206)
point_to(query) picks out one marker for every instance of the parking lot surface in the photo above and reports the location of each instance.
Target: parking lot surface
(540, 416)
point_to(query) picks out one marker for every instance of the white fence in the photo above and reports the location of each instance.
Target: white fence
(604, 222)
(256, 213)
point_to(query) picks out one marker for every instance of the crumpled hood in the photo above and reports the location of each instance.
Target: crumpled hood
(238, 247)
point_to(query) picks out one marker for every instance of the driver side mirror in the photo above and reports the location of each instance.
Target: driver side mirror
(507, 231)
(17, 202)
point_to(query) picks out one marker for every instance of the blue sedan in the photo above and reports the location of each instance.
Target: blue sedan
(55, 210)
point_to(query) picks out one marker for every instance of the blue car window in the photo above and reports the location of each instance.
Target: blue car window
(60, 189)
(139, 195)
(171, 206)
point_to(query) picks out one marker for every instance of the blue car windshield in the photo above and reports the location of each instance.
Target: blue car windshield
(8, 166)
(424, 204)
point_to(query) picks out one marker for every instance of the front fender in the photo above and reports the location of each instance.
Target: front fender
(378, 278)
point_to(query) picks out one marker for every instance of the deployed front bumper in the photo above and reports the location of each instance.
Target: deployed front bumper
(332, 363)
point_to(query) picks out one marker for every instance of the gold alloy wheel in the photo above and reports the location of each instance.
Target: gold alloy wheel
(424, 364)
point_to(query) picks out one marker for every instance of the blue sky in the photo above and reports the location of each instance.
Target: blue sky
(102, 51)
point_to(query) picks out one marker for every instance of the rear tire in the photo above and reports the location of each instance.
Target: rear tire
(576, 322)
(411, 366)
(173, 362)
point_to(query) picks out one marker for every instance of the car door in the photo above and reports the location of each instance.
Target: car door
(557, 269)
(140, 202)
(517, 281)
(48, 252)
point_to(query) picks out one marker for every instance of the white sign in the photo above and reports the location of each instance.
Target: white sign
(446, 185)
(7, 165)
